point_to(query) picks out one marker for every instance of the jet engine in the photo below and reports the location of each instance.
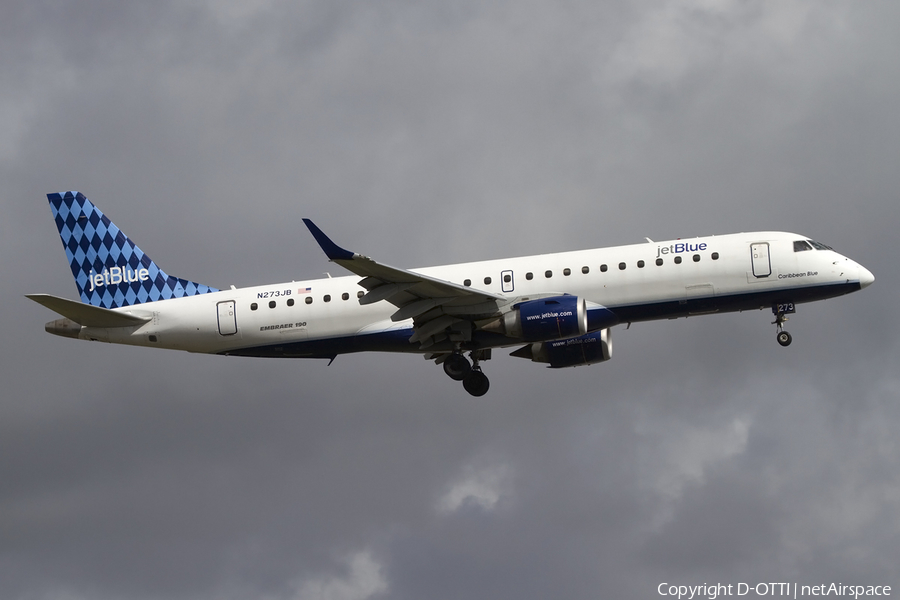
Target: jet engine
(553, 318)
(587, 349)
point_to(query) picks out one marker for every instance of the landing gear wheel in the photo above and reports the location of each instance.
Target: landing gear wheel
(476, 383)
(781, 311)
(457, 367)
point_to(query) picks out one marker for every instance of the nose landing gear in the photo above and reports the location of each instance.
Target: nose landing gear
(780, 310)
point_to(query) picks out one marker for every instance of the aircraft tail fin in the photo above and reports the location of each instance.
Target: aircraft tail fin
(110, 270)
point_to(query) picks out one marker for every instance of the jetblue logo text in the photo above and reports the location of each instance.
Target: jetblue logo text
(117, 275)
(679, 248)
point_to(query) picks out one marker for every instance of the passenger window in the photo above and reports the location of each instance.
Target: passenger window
(309, 299)
(640, 264)
(487, 281)
(715, 256)
(467, 282)
(659, 262)
(254, 306)
(271, 304)
(696, 258)
(567, 271)
(548, 274)
(327, 298)
(585, 270)
(603, 268)
(360, 294)
(529, 276)
(345, 296)
(677, 260)
(621, 266)
(290, 302)
(507, 278)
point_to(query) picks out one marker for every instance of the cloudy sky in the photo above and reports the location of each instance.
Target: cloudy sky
(436, 132)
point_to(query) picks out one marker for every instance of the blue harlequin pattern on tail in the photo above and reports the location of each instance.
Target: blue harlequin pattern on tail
(109, 270)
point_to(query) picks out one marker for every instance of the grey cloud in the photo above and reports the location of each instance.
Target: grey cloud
(425, 134)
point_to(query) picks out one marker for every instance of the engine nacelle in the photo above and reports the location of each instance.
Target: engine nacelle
(552, 318)
(582, 350)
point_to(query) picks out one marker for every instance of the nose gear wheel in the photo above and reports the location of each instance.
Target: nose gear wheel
(784, 338)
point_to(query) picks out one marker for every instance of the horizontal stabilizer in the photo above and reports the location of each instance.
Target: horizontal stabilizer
(86, 314)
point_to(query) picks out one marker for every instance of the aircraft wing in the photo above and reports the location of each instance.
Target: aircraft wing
(440, 309)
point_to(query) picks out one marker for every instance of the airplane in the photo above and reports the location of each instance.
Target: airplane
(556, 309)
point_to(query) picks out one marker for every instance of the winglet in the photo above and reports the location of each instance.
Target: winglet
(332, 250)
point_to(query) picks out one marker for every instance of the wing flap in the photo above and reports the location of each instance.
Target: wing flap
(416, 308)
(384, 292)
(433, 328)
(86, 314)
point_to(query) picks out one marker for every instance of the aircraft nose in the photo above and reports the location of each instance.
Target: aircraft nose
(865, 277)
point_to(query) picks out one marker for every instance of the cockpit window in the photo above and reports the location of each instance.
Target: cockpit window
(801, 245)
(819, 246)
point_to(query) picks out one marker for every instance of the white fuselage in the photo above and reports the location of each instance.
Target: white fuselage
(323, 317)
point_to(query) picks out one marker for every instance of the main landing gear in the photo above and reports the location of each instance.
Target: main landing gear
(780, 310)
(458, 368)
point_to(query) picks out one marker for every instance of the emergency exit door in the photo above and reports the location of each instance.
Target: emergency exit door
(227, 321)
(762, 264)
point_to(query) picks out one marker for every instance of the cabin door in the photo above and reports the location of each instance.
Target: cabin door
(762, 263)
(227, 320)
